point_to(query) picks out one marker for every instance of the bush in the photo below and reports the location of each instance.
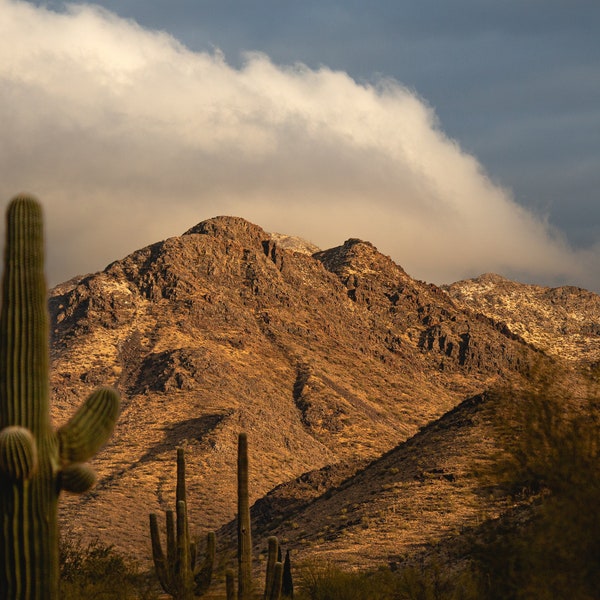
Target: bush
(327, 582)
(99, 571)
(549, 434)
(430, 583)
(411, 583)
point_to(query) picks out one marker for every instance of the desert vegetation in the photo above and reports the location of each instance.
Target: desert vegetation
(549, 434)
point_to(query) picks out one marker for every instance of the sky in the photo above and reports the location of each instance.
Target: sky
(458, 137)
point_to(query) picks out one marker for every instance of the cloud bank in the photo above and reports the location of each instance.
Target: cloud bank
(128, 137)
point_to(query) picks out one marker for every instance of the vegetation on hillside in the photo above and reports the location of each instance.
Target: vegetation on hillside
(550, 437)
(96, 570)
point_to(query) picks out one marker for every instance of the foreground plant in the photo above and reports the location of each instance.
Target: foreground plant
(176, 570)
(36, 462)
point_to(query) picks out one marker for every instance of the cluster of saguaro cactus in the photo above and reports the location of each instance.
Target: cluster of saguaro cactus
(176, 570)
(36, 461)
(278, 578)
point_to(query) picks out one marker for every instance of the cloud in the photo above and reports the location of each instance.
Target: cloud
(128, 137)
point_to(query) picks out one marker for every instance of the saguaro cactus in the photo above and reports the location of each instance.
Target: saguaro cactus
(177, 571)
(36, 461)
(230, 584)
(287, 584)
(272, 549)
(244, 534)
(275, 568)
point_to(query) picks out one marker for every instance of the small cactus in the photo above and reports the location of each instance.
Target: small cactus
(36, 461)
(177, 571)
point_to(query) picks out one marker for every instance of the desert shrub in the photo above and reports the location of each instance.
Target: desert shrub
(328, 582)
(98, 571)
(430, 582)
(549, 436)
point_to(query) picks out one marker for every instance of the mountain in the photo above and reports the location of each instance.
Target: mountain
(562, 321)
(355, 383)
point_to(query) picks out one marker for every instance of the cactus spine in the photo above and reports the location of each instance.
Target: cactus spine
(36, 461)
(177, 571)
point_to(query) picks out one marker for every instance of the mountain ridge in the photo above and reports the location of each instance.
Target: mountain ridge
(563, 321)
(329, 361)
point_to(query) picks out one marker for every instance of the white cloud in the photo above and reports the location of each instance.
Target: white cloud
(128, 137)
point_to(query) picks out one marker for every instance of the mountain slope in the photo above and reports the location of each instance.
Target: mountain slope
(419, 493)
(563, 321)
(327, 361)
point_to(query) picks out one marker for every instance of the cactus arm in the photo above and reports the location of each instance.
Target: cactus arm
(203, 575)
(77, 478)
(158, 556)
(90, 427)
(275, 592)
(183, 571)
(18, 453)
(193, 552)
(171, 546)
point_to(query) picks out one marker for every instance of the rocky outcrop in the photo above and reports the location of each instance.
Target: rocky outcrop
(562, 321)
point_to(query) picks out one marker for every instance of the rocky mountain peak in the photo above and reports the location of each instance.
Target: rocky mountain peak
(233, 229)
(357, 256)
(294, 243)
(562, 321)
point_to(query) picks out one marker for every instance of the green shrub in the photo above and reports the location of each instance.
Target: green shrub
(327, 582)
(99, 571)
(431, 583)
(550, 439)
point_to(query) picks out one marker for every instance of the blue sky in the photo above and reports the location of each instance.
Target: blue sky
(487, 154)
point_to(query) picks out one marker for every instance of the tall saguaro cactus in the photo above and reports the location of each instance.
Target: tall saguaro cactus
(244, 533)
(176, 570)
(275, 568)
(36, 461)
